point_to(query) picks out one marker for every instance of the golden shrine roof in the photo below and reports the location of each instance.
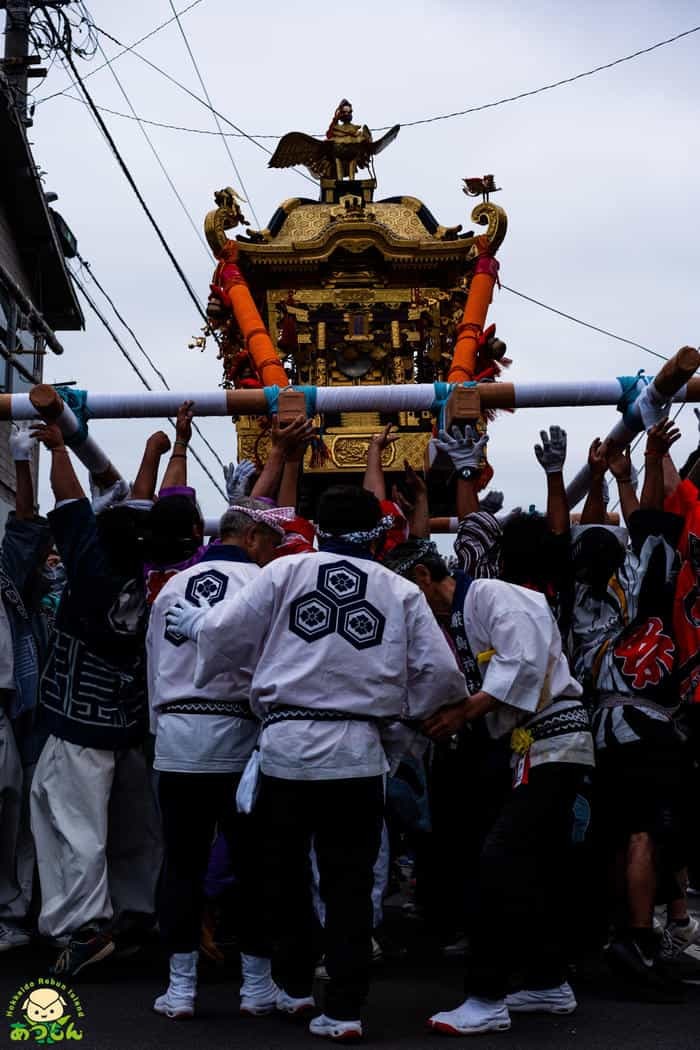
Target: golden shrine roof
(303, 232)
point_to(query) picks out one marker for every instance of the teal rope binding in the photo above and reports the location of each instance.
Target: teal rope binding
(442, 393)
(631, 387)
(77, 402)
(272, 396)
(309, 393)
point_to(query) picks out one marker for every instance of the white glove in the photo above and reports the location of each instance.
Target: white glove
(239, 479)
(697, 416)
(465, 450)
(185, 619)
(551, 454)
(492, 501)
(21, 442)
(103, 499)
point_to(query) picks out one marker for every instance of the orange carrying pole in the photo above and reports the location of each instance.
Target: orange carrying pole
(255, 335)
(474, 318)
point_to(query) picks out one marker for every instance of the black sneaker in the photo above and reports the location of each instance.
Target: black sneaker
(81, 953)
(625, 956)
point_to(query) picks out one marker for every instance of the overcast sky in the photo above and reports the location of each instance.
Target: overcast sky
(599, 179)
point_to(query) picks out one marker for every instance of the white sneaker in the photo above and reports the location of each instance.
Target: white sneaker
(177, 1008)
(258, 991)
(677, 938)
(287, 1004)
(472, 1017)
(12, 937)
(559, 1000)
(339, 1031)
(178, 1002)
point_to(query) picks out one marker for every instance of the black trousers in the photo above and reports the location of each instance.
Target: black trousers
(518, 932)
(193, 806)
(344, 818)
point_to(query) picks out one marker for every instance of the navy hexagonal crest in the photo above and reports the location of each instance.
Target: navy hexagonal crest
(338, 604)
(362, 625)
(209, 585)
(342, 582)
(312, 617)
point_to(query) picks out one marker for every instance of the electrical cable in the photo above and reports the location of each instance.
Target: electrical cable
(161, 165)
(585, 324)
(143, 350)
(207, 96)
(197, 98)
(129, 177)
(93, 306)
(405, 124)
(136, 43)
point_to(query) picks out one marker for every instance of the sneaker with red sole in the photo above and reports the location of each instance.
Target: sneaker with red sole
(338, 1031)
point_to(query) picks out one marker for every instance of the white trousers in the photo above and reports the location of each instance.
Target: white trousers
(97, 835)
(16, 848)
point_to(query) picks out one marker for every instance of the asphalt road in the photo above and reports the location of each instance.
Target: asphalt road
(117, 995)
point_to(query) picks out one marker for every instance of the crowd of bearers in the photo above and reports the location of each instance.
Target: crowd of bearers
(296, 706)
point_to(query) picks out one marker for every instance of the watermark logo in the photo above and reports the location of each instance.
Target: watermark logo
(44, 1011)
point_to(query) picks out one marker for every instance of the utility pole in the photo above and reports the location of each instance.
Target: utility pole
(18, 65)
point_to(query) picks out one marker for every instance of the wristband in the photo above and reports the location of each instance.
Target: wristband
(178, 455)
(179, 441)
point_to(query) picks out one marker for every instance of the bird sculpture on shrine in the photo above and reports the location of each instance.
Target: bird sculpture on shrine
(346, 147)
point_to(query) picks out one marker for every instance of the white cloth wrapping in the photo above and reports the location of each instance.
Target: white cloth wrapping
(273, 640)
(196, 743)
(97, 835)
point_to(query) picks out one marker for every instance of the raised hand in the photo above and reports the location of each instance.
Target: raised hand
(551, 454)
(660, 437)
(466, 450)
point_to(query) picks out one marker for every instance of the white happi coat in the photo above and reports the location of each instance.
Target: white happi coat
(329, 632)
(524, 668)
(204, 735)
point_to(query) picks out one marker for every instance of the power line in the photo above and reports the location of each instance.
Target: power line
(547, 87)
(117, 341)
(129, 177)
(147, 36)
(143, 350)
(159, 161)
(207, 96)
(405, 124)
(196, 97)
(585, 324)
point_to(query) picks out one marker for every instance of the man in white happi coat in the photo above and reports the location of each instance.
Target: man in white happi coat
(204, 738)
(331, 647)
(509, 646)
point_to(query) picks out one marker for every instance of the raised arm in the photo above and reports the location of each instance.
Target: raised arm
(284, 441)
(466, 451)
(414, 502)
(22, 445)
(659, 440)
(144, 486)
(374, 474)
(551, 456)
(594, 507)
(176, 472)
(620, 464)
(64, 481)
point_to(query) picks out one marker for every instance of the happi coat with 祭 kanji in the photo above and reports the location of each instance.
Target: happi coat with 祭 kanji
(624, 643)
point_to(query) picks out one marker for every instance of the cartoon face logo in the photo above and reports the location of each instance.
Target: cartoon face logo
(44, 1004)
